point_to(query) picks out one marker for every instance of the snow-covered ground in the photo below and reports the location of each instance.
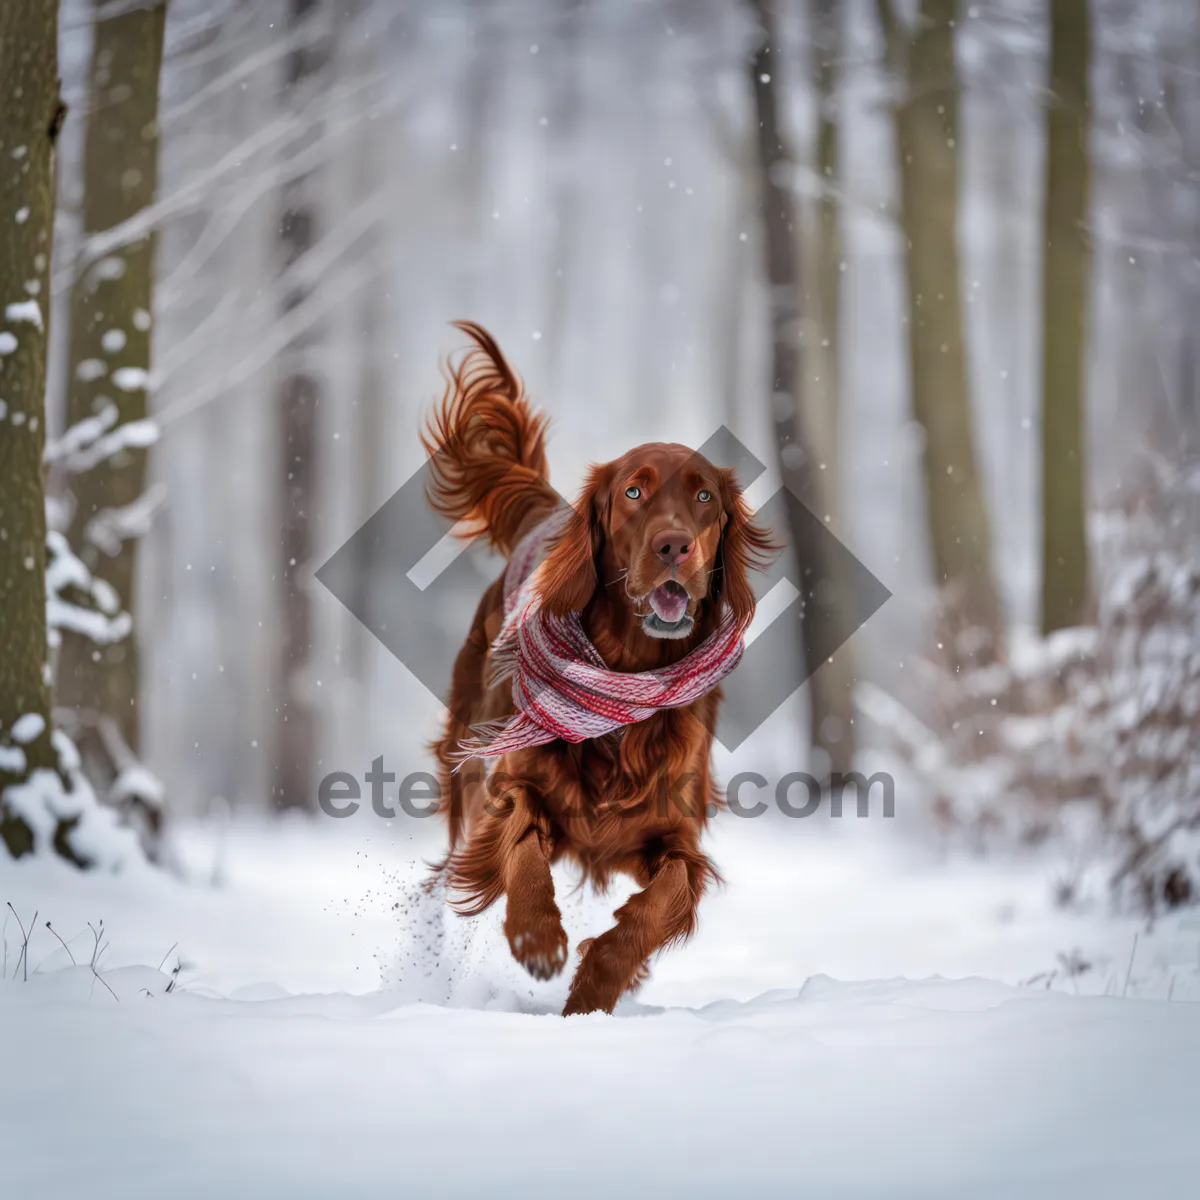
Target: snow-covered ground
(853, 1019)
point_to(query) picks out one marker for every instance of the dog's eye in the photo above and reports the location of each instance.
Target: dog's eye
(634, 493)
(704, 496)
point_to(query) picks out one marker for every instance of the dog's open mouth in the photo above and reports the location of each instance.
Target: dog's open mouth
(669, 616)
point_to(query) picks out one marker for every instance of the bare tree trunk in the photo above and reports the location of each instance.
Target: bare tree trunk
(650, 375)
(827, 256)
(1066, 262)
(371, 398)
(729, 302)
(926, 130)
(298, 398)
(1189, 367)
(109, 363)
(30, 118)
(1184, 112)
(566, 107)
(735, 271)
(371, 387)
(467, 189)
(833, 685)
(831, 704)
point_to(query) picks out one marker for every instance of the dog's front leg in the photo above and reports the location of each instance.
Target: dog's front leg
(533, 924)
(508, 851)
(664, 912)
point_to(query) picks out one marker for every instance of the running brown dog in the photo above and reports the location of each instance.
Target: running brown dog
(652, 569)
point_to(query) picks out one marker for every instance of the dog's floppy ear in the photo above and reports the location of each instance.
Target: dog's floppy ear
(568, 578)
(745, 546)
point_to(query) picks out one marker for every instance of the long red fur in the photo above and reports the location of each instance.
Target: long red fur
(487, 446)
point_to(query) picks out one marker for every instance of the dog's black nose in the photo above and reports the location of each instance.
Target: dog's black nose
(673, 546)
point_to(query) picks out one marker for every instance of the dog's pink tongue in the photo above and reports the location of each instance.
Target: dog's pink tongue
(670, 603)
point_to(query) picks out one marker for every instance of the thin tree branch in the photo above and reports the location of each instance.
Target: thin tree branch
(263, 142)
(895, 39)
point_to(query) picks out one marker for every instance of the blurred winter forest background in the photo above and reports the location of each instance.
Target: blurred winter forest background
(936, 263)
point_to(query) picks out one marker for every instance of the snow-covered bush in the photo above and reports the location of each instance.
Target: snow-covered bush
(1148, 716)
(58, 808)
(997, 747)
(1097, 729)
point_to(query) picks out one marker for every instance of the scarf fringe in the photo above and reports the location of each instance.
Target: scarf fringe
(494, 738)
(502, 660)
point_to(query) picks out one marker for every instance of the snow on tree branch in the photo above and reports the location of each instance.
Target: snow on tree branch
(90, 441)
(99, 617)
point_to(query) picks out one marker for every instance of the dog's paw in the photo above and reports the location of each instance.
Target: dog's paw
(541, 949)
(598, 981)
(580, 1005)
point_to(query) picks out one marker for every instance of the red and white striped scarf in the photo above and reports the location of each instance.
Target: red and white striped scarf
(561, 686)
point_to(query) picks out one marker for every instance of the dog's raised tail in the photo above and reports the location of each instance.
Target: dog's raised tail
(487, 446)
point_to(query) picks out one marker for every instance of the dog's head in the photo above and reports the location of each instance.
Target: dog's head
(665, 532)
